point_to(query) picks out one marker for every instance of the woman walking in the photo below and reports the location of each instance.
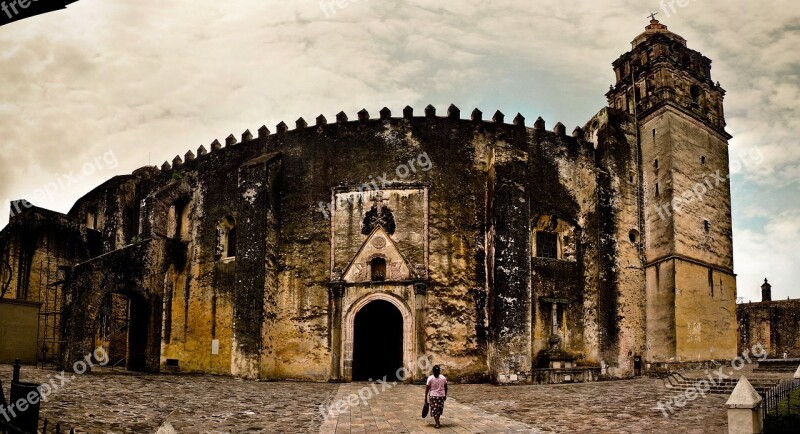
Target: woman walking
(436, 393)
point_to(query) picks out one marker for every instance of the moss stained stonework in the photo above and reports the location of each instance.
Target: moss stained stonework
(254, 258)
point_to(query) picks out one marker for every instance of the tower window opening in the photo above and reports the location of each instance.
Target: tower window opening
(657, 191)
(655, 163)
(694, 91)
(706, 225)
(703, 160)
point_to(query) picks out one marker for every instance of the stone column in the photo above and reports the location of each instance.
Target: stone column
(510, 267)
(420, 296)
(744, 409)
(336, 295)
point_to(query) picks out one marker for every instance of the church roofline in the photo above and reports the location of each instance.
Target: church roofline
(453, 114)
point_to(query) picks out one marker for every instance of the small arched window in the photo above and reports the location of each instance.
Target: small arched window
(91, 218)
(226, 238)
(179, 220)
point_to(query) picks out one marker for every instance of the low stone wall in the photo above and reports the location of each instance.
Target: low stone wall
(19, 326)
(778, 365)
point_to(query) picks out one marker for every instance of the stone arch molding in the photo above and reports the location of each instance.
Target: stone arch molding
(349, 332)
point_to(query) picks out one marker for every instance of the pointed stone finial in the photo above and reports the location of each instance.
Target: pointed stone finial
(408, 112)
(263, 132)
(385, 113)
(363, 115)
(453, 112)
(341, 117)
(247, 136)
(743, 395)
(560, 129)
(519, 120)
(321, 120)
(300, 124)
(177, 162)
(230, 140)
(201, 151)
(477, 115)
(216, 145)
(282, 127)
(165, 166)
(430, 111)
(189, 156)
(578, 133)
(539, 124)
(498, 117)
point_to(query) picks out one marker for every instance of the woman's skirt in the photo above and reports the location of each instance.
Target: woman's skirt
(437, 405)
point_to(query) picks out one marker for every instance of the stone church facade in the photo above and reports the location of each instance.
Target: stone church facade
(343, 250)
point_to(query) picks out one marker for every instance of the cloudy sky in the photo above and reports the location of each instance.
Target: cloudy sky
(108, 86)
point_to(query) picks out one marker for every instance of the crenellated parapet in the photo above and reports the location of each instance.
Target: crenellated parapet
(364, 119)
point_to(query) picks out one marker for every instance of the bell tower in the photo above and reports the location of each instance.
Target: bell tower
(685, 198)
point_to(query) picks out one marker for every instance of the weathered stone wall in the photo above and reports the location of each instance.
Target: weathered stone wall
(775, 325)
(267, 311)
(622, 301)
(564, 185)
(691, 286)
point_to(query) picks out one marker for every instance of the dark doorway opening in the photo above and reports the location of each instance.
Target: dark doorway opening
(124, 329)
(637, 366)
(377, 342)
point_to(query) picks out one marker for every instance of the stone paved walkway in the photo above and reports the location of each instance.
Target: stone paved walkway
(398, 409)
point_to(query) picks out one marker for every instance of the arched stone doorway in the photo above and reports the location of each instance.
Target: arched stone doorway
(124, 273)
(377, 341)
(383, 315)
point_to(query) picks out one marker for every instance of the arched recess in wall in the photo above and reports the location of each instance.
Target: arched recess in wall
(178, 219)
(554, 238)
(226, 238)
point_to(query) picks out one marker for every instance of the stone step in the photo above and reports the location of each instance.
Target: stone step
(716, 389)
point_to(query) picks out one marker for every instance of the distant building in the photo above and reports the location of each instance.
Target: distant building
(775, 324)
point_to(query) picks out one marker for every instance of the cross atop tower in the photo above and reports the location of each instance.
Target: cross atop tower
(653, 16)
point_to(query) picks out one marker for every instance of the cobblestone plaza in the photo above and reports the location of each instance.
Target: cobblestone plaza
(124, 402)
